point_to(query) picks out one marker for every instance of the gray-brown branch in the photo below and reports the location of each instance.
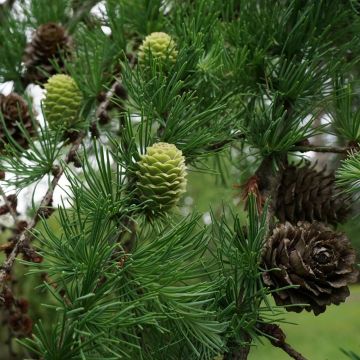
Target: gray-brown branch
(297, 148)
(81, 12)
(277, 338)
(322, 149)
(8, 205)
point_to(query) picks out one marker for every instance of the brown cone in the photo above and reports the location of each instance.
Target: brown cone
(15, 110)
(50, 43)
(306, 194)
(319, 261)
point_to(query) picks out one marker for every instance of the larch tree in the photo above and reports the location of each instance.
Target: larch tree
(135, 97)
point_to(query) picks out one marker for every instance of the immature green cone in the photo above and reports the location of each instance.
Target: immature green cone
(62, 103)
(161, 178)
(160, 45)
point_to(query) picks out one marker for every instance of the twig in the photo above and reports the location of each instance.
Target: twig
(291, 352)
(81, 12)
(237, 353)
(12, 354)
(118, 90)
(6, 6)
(107, 102)
(221, 144)
(26, 236)
(269, 185)
(323, 149)
(299, 148)
(9, 205)
(277, 338)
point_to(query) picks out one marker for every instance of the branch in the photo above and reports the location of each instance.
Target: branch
(81, 12)
(277, 338)
(221, 144)
(237, 353)
(118, 90)
(6, 6)
(26, 236)
(9, 205)
(269, 181)
(322, 149)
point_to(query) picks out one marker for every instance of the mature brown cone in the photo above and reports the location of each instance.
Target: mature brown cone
(50, 43)
(319, 261)
(306, 194)
(15, 110)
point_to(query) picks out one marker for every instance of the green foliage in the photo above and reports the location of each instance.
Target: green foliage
(115, 305)
(346, 116)
(165, 101)
(41, 12)
(274, 129)
(12, 44)
(33, 164)
(141, 17)
(348, 175)
(242, 301)
(97, 59)
(101, 183)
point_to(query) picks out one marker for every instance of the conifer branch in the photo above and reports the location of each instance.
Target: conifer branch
(26, 236)
(270, 182)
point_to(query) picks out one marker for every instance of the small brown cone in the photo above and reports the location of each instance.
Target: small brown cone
(306, 194)
(319, 261)
(49, 43)
(15, 111)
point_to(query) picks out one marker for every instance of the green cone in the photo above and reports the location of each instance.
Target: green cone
(62, 103)
(160, 45)
(161, 177)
